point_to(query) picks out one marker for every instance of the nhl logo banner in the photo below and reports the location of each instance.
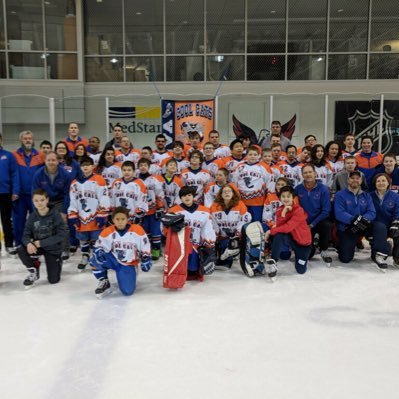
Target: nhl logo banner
(180, 118)
(362, 118)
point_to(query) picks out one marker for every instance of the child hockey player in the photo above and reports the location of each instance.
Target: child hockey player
(155, 198)
(130, 192)
(120, 247)
(291, 229)
(44, 234)
(252, 180)
(211, 163)
(127, 152)
(229, 214)
(195, 176)
(146, 152)
(237, 156)
(291, 168)
(203, 237)
(324, 173)
(177, 155)
(212, 189)
(171, 184)
(108, 168)
(89, 208)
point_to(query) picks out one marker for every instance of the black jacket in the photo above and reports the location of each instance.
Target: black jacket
(50, 230)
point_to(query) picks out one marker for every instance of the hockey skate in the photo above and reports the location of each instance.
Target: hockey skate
(271, 269)
(396, 262)
(103, 289)
(83, 262)
(380, 261)
(252, 249)
(12, 252)
(65, 255)
(326, 258)
(31, 277)
(155, 254)
(73, 249)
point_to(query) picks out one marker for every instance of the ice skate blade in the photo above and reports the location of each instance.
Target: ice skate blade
(80, 270)
(28, 287)
(104, 294)
(380, 269)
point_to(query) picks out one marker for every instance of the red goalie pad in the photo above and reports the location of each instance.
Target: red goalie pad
(177, 249)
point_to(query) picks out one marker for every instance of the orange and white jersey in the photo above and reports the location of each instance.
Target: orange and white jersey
(128, 247)
(95, 157)
(212, 166)
(188, 149)
(111, 173)
(199, 220)
(199, 179)
(155, 194)
(212, 190)
(133, 155)
(229, 224)
(275, 173)
(252, 181)
(336, 166)
(158, 157)
(131, 195)
(292, 172)
(231, 163)
(324, 175)
(272, 203)
(222, 151)
(155, 169)
(182, 164)
(171, 188)
(89, 198)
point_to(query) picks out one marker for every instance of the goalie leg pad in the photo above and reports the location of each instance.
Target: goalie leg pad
(252, 248)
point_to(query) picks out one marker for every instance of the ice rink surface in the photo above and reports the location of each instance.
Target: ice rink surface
(331, 333)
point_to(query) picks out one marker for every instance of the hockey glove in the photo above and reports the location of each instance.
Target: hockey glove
(159, 213)
(358, 224)
(174, 221)
(394, 229)
(146, 263)
(101, 221)
(75, 222)
(207, 260)
(98, 258)
(233, 248)
(138, 217)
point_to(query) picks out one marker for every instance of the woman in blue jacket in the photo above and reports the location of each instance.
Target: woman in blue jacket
(386, 204)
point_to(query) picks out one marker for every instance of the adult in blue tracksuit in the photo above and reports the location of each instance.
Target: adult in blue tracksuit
(355, 214)
(389, 167)
(28, 160)
(386, 204)
(9, 191)
(314, 198)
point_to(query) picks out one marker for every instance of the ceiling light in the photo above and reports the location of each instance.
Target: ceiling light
(320, 59)
(340, 10)
(138, 13)
(273, 11)
(113, 60)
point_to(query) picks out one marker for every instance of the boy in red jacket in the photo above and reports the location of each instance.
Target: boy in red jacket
(291, 229)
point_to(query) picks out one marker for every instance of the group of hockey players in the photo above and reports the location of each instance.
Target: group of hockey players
(258, 202)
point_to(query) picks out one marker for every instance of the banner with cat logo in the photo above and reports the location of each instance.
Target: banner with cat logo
(180, 118)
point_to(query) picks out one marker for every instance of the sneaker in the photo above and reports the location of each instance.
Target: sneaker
(380, 261)
(31, 277)
(271, 269)
(83, 262)
(103, 288)
(73, 249)
(325, 256)
(65, 255)
(155, 254)
(11, 251)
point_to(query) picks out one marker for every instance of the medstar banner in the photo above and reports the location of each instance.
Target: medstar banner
(362, 118)
(180, 118)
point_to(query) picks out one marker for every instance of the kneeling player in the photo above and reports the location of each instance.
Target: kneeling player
(291, 229)
(120, 247)
(203, 237)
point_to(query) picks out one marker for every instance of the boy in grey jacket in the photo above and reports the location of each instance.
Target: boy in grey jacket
(44, 234)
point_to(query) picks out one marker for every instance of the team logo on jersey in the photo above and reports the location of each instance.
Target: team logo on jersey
(83, 203)
(248, 182)
(123, 202)
(368, 124)
(120, 254)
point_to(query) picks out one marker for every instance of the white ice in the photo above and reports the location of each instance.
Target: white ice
(331, 333)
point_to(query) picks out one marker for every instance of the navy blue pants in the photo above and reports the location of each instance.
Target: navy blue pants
(376, 233)
(256, 212)
(301, 253)
(152, 227)
(221, 245)
(125, 275)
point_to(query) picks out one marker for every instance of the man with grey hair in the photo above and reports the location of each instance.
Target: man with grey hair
(9, 191)
(28, 160)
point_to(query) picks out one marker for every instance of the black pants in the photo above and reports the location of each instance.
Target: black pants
(6, 211)
(53, 262)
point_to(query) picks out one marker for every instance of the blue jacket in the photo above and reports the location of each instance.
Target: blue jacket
(58, 190)
(394, 177)
(316, 202)
(73, 169)
(27, 166)
(387, 209)
(9, 176)
(347, 206)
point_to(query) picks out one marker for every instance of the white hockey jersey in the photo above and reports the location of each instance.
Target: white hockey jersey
(158, 157)
(199, 179)
(155, 194)
(324, 175)
(111, 173)
(222, 151)
(171, 190)
(133, 155)
(292, 172)
(127, 247)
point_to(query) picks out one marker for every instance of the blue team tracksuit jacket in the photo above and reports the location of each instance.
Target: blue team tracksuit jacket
(387, 208)
(9, 176)
(316, 202)
(57, 190)
(347, 206)
(27, 166)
